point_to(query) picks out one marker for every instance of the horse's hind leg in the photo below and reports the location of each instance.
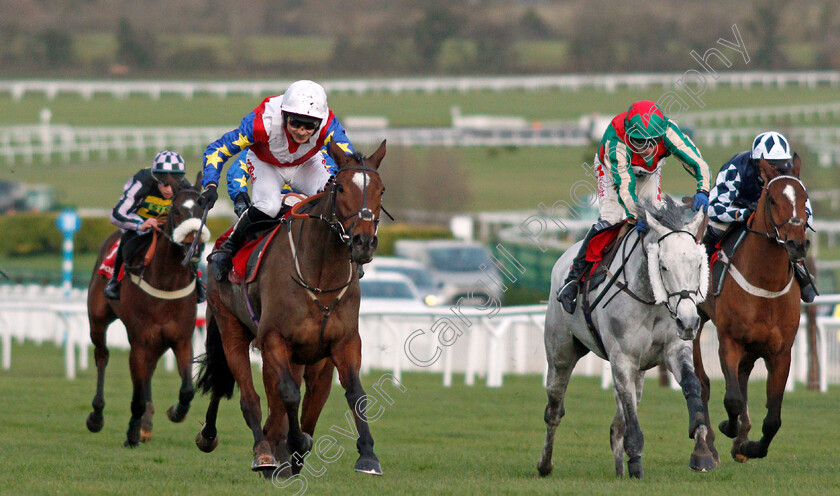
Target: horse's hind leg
(280, 381)
(561, 362)
(625, 377)
(778, 368)
(319, 378)
(183, 357)
(617, 440)
(347, 357)
(277, 426)
(679, 361)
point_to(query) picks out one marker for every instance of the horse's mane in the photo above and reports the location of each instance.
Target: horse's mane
(668, 212)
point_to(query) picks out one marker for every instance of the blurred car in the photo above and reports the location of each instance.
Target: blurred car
(456, 267)
(389, 291)
(414, 270)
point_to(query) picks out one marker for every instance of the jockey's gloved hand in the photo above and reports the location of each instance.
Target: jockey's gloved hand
(641, 226)
(701, 200)
(208, 197)
(241, 203)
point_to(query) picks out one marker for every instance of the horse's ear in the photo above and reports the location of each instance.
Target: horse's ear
(766, 170)
(377, 156)
(337, 154)
(797, 165)
(697, 224)
(656, 226)
(197, 183)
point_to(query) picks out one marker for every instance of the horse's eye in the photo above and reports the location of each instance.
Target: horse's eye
(662, 267)
(339, 188)
(382, 192)
(772, 201)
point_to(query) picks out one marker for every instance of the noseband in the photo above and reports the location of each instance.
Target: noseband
(364, 214)
(768, 212)
(684, 294)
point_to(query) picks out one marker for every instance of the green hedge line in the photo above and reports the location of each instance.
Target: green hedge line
(37, 234)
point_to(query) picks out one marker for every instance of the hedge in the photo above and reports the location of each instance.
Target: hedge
(38, 234)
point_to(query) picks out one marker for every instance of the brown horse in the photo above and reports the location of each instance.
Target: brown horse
(306, 296)
(158, 307)
(757, 312)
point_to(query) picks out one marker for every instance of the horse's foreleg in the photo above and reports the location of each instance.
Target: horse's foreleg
(679, 361)
(148, 414)
(558, 380)
(281, 381)
(347, 359)
(778, 368)
(207, 438)
(319, 378)
(96, 420)
(624, 380)
(138, 366)
(730, 356)
(183, 357)
(744, 423)
(276, 427)
(617, 440)
(705, 392)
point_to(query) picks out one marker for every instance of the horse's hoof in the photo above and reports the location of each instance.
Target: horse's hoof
(366, 465)
(724, 427)
(95, 421)
(172, 413)
(738, 457)
(544, 469)
(131, 444)
(145, 435)
(702, 463)
(283, 472)
(204, 444)
(264, 461)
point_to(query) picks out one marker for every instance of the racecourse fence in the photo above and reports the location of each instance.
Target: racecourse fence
(87, 89)
(480, 344)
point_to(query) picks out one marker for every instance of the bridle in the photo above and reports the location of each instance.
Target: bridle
(336, 224)
(685, 294)
(768, 212)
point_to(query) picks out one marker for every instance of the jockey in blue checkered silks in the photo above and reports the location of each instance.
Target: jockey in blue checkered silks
(737, 190)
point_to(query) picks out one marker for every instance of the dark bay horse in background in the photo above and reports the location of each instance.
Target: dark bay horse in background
(306, 295)
(158, 307)
(757, 311)
(646, 319)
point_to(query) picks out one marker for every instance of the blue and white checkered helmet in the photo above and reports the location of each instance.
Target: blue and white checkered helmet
(771, 145)
(168, 162)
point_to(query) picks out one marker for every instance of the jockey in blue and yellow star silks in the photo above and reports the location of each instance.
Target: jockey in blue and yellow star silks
(628, 166)
(284, 137)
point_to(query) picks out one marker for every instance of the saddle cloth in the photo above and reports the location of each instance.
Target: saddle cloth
(601, 250)
(722, 257)
(247, 260)
(106, 268)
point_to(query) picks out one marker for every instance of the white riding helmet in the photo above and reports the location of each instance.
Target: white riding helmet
(771, 146)
(305, 98)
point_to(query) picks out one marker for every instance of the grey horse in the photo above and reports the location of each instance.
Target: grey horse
(655, 325)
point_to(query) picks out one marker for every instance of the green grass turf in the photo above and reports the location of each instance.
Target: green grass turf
(432, 440)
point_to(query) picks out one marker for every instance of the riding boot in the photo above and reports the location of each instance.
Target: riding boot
(222, 258)
(112, 289)
(711, 238)
(807, 288)
(567, 295)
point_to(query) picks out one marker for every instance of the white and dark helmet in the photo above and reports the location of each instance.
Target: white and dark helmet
(305, 98)
(771, 146)
(168, 163)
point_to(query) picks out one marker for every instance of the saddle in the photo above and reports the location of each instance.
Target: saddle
(722, 257)
(106, 268)
(600, 253)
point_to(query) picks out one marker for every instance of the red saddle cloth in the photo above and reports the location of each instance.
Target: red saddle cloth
(239, 273)
(106, 268)
(600, 244)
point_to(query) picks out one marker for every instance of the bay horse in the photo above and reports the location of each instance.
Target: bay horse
(758, 317)
(158, 307)
(305, 302)
(648, 319)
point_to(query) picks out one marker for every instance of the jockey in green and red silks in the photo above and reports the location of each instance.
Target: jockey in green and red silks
(628, 166)
(631, 154)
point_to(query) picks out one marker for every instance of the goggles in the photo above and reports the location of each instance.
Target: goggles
(307, 124)
(167, 178)
(642, 144)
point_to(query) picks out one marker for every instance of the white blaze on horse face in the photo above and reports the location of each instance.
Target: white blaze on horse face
(360, 180)
(791, 195)
(189, 204)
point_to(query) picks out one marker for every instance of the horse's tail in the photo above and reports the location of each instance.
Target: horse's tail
(214, 376)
